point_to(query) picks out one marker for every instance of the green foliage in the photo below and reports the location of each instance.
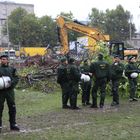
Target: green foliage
(97, 18)
(114, 22)
(104, 50)
(124, 87)
(28, 30)
(67, 15)
(27, 70)
(24, 28)
(23, 73)
(31, 78)
(15, 25)
(48, 31)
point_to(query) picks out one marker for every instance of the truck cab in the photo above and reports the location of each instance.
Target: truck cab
(10, 53)
(117, 48)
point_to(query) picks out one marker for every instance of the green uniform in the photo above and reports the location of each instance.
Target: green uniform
(129, 69)
(100, 70)
(63, 81)
(116, 71)
(74, 75)
(8, 94)
(86, 86)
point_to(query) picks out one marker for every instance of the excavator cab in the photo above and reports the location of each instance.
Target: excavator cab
(116, 48)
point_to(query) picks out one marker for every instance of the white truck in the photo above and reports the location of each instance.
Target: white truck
(11, 53)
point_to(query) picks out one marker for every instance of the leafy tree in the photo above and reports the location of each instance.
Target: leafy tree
(48, 31)
(14, 25)
(120, 19)
(24, 28)
(30, 31)
(69, 15)
(115, 22)
(97, 19)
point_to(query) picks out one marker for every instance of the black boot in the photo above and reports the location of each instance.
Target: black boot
(0, 125)
(66, 107)
(0, 129)
(14, 127)
(12, 119)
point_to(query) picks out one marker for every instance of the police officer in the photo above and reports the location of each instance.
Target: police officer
(8, 93)
(86, 86)
(74, 75)
(131, 68)
(116, 70)
(100, 70)
(63, 81)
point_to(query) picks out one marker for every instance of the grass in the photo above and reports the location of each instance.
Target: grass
(41, 118)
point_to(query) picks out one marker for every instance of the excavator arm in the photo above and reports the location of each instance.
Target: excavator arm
(63, 37)
(93, 33)
(71, 25)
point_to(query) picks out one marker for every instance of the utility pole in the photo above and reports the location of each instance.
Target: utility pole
(7, 27)
(130, 29)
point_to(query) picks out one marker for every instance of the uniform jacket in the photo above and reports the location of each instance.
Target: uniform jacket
(116, 70)
(85, 69)
(100, 69)
(62, 74)
(6, 70)
(73, 73)
(130, 68)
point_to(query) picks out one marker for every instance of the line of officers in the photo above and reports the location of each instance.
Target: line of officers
(69, 75)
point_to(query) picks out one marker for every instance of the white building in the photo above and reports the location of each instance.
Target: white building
(5, 10)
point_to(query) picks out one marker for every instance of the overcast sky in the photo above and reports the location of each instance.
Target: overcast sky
(81, 8)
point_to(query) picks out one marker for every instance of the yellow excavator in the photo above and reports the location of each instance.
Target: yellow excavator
(115, 47)
(64, 25)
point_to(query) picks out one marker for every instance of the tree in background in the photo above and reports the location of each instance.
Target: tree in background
(48, 31)
(15, 25)
(114, 22)
(97, 19)
(24, 28)
(28, 30)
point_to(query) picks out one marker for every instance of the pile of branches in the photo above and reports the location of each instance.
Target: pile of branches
(39, 74)
(46, 60)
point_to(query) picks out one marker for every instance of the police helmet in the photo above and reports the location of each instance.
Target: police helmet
(63, 59)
